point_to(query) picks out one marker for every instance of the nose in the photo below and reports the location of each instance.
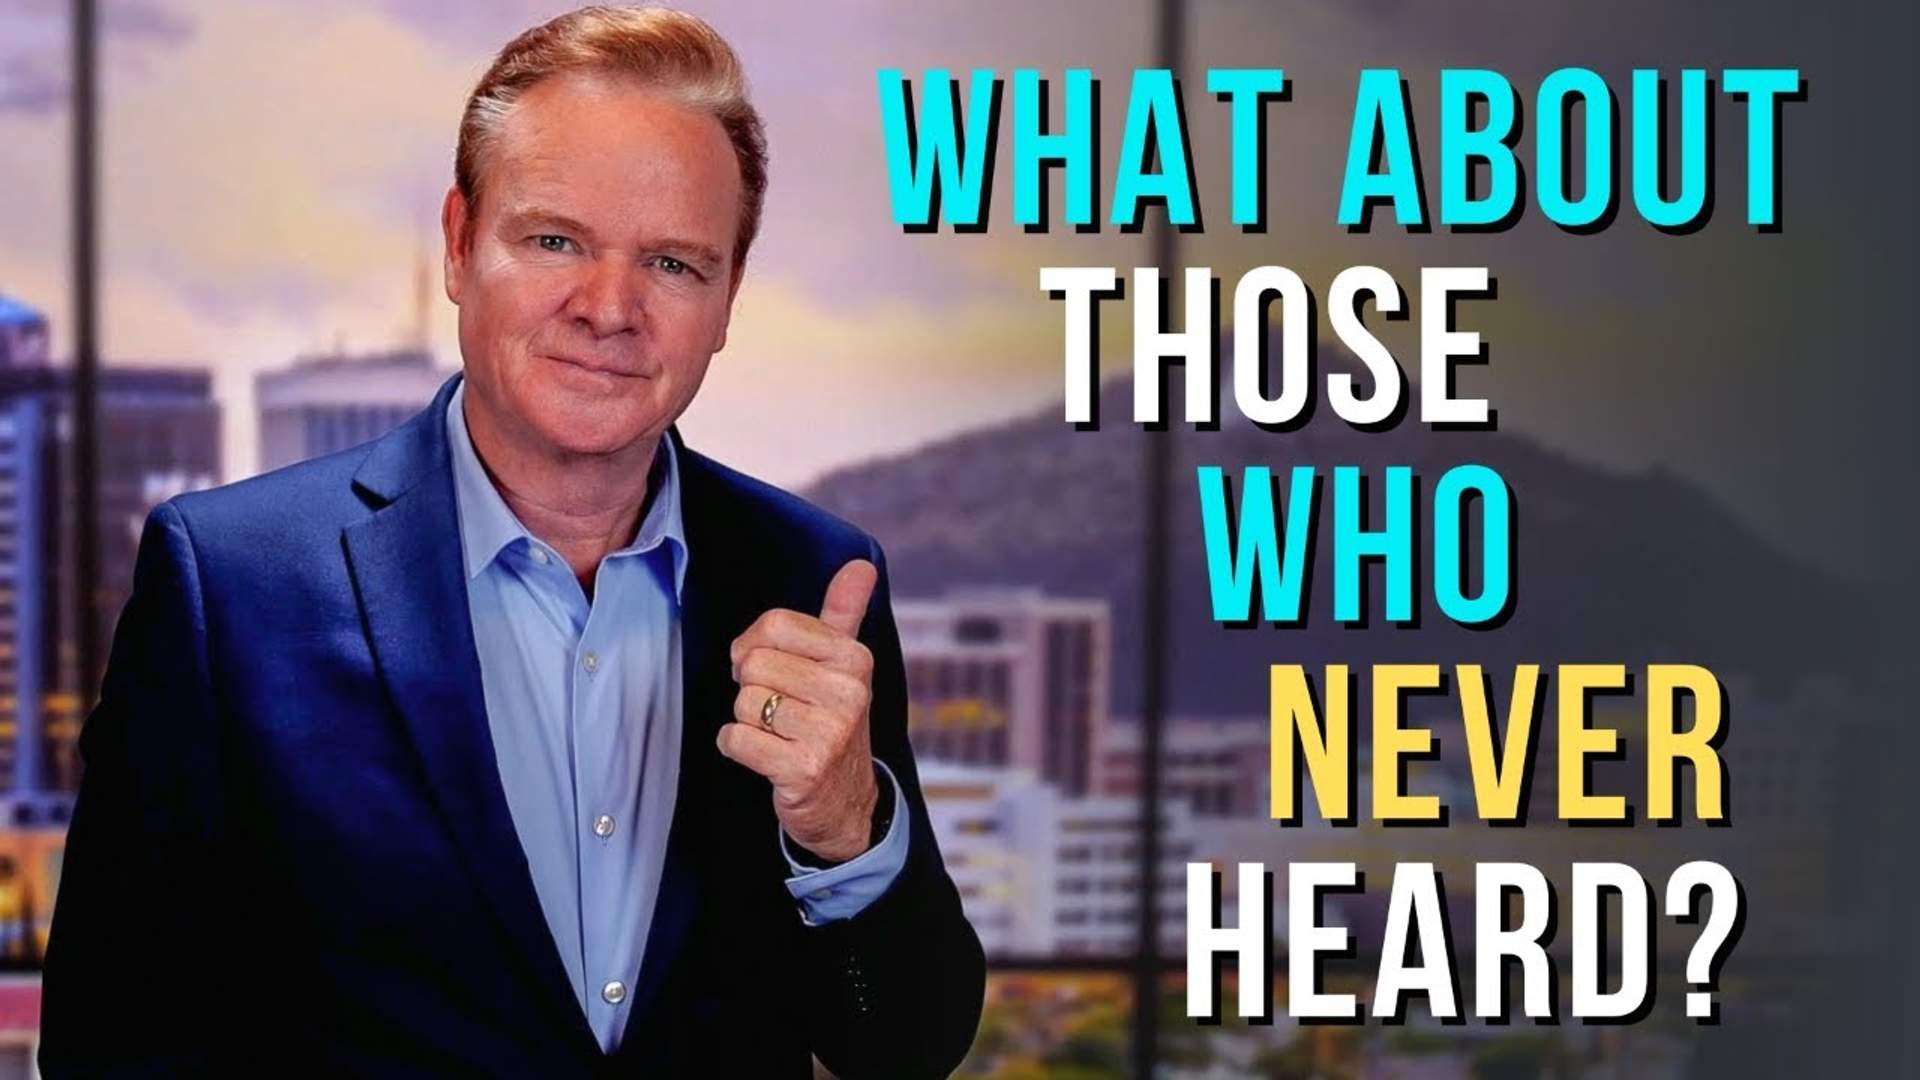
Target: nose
(608, 299)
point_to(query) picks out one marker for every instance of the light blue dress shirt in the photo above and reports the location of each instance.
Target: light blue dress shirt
(584, 703)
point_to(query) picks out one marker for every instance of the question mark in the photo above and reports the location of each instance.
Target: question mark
(1720, 933)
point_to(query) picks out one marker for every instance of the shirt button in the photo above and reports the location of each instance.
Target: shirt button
(540, 556)
(614, 992)
(591, 662)
(603, 826)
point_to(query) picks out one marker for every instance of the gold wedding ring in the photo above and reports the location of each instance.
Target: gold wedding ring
(766, 711)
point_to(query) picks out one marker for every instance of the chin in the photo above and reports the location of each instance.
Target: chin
(589, 426)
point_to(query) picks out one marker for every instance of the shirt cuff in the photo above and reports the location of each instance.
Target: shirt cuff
(843, 891)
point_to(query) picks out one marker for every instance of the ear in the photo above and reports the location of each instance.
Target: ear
(456, 225)
(733, 291)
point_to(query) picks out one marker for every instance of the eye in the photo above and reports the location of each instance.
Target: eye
(553, 242)
(673, 266)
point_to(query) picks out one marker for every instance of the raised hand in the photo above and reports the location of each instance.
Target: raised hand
(817, 754)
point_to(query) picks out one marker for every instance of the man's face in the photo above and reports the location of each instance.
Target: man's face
(600, 274)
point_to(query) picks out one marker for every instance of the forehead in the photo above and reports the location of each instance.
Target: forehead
(616, 155)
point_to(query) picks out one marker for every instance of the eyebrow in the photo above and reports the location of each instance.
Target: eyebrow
(514, 221)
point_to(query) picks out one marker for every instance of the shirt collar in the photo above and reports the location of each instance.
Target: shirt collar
(489, 526)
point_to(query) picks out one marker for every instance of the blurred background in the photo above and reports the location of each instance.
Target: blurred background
(1707, 437)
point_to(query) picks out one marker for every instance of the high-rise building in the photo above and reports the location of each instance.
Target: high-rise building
(1043, 875)
(159, 434)
(1218, 766)
(23, 335)
(1008, 677)
(331, 402)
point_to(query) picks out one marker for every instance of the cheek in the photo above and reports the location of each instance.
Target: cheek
(511, 285)
(516, 308)
(697, 324)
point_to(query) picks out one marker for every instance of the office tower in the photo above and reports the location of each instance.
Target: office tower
(1043, 875)
(1216, 765)
(331, 402)
(23, 335)
(159, 435)
(1008, 677)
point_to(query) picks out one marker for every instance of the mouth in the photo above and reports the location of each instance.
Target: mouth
(588, 365)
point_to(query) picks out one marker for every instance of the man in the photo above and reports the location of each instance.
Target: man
(524, 741)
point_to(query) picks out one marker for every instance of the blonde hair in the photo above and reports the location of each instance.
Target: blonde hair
(670, 51)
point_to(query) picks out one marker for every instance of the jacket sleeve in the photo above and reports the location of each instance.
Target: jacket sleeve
(132, 983)
(905, 979)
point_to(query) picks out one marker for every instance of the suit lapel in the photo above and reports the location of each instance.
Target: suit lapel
(710, 619)
(408, 575)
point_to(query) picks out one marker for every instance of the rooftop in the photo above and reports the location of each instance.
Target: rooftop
(15, 313)
(399, 357)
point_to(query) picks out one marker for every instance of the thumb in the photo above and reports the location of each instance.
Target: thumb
(847, 596)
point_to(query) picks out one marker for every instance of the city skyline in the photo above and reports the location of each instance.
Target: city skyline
(243, 229)
(1701, 428)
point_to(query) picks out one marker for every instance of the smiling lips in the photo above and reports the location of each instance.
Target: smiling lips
(597, 369)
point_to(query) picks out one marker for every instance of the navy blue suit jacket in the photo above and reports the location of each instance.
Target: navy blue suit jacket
(292, 854)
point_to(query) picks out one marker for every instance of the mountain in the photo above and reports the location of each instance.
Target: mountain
(1609, 567)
